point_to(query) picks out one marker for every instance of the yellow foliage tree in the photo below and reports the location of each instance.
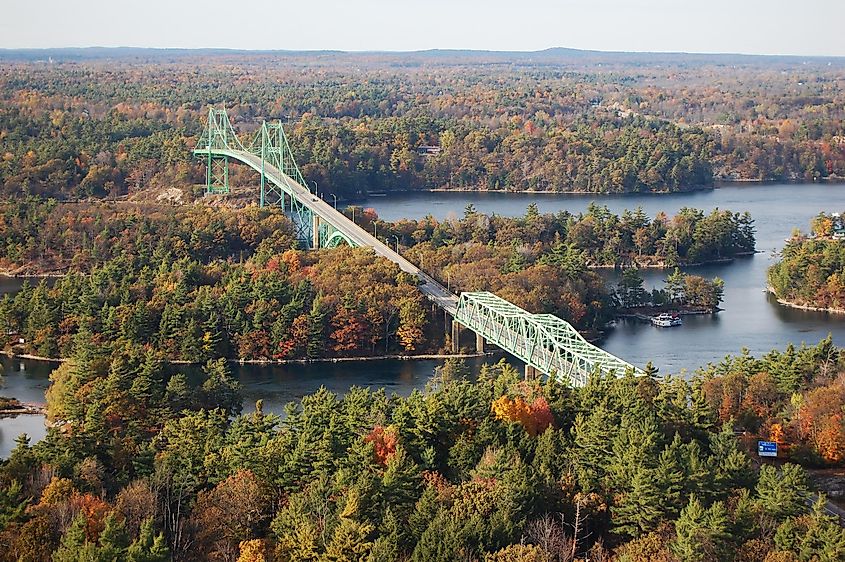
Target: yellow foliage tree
(252, 551)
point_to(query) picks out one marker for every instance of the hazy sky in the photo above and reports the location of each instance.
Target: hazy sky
(801, 27)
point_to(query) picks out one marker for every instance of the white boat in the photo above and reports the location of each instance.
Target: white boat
(666, 320)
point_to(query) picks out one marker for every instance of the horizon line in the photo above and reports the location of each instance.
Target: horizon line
(416, 51)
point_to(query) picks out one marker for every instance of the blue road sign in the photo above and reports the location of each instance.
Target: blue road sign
(767, 448)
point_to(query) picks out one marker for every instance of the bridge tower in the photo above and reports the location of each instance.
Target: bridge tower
(219, 143)
(217, 135)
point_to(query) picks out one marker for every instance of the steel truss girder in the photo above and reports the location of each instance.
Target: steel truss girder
(544, 341)
(330, 237)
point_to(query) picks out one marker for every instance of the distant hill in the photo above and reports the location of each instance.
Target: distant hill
(552, 56)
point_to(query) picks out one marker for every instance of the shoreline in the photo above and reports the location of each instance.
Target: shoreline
(270, 362)
(18, 408)
(16, 274)
(24, 410)
(56, 275)
(664, 266)
(548, 191)
(717, 183)
(647, 318)
(806, 307)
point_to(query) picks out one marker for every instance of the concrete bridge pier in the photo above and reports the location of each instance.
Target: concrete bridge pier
(315, 232)
(531, 373)
(479, 343)
(456, 336)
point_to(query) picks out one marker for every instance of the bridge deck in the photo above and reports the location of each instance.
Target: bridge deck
(436, 292)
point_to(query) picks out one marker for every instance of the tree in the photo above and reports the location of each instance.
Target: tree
(700, 533)
(316, 329)
(220, 389)
(639, 509)
(630, 289)
(74, 546)
(782, 493)
(12, 504)
(148, 547)
(411, 322)
(236, 510)
(675, 284)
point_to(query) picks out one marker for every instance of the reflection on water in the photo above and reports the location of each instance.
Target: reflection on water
(27, 381)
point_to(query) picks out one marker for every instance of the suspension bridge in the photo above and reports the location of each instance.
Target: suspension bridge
(547, 344)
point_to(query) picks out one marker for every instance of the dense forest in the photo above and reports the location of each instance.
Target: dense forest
(602, 238)
(794, 397)
(199, 283)
(143, 465)
(811, 269)
(359, 123)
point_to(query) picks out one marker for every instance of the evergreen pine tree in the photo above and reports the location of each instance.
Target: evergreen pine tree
(190, 348)
(670, 477)
(639, 509)
(690, 544)
(148, 547)
(220, 389)
(12, 504)
(113, 540)
(316, 329)
(733, 467)
(782, 493)
(593, 434)
(74, 546)
(178, 393)
(401, 482)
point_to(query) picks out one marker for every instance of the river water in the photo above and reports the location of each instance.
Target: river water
(750, 317)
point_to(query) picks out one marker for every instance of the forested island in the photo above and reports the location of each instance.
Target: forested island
(198, 282)
(115, 124)
(144, 465)
(811, 269)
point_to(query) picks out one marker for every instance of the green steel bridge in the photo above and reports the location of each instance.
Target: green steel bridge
(546, 343)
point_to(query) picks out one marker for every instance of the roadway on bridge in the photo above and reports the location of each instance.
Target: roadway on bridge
(436, 292)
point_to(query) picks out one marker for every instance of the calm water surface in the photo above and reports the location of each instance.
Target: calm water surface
(750, 318)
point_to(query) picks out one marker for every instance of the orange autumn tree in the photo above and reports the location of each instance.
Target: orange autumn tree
(535, 418)
(820, 422)
(830, 441)
(384, 443)
(777, 434)
(291, 259)
(349, 330)
(297, 338)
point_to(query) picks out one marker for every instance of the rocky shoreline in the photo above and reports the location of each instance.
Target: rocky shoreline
(397, 357)
(10, 407)
(807, 307)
